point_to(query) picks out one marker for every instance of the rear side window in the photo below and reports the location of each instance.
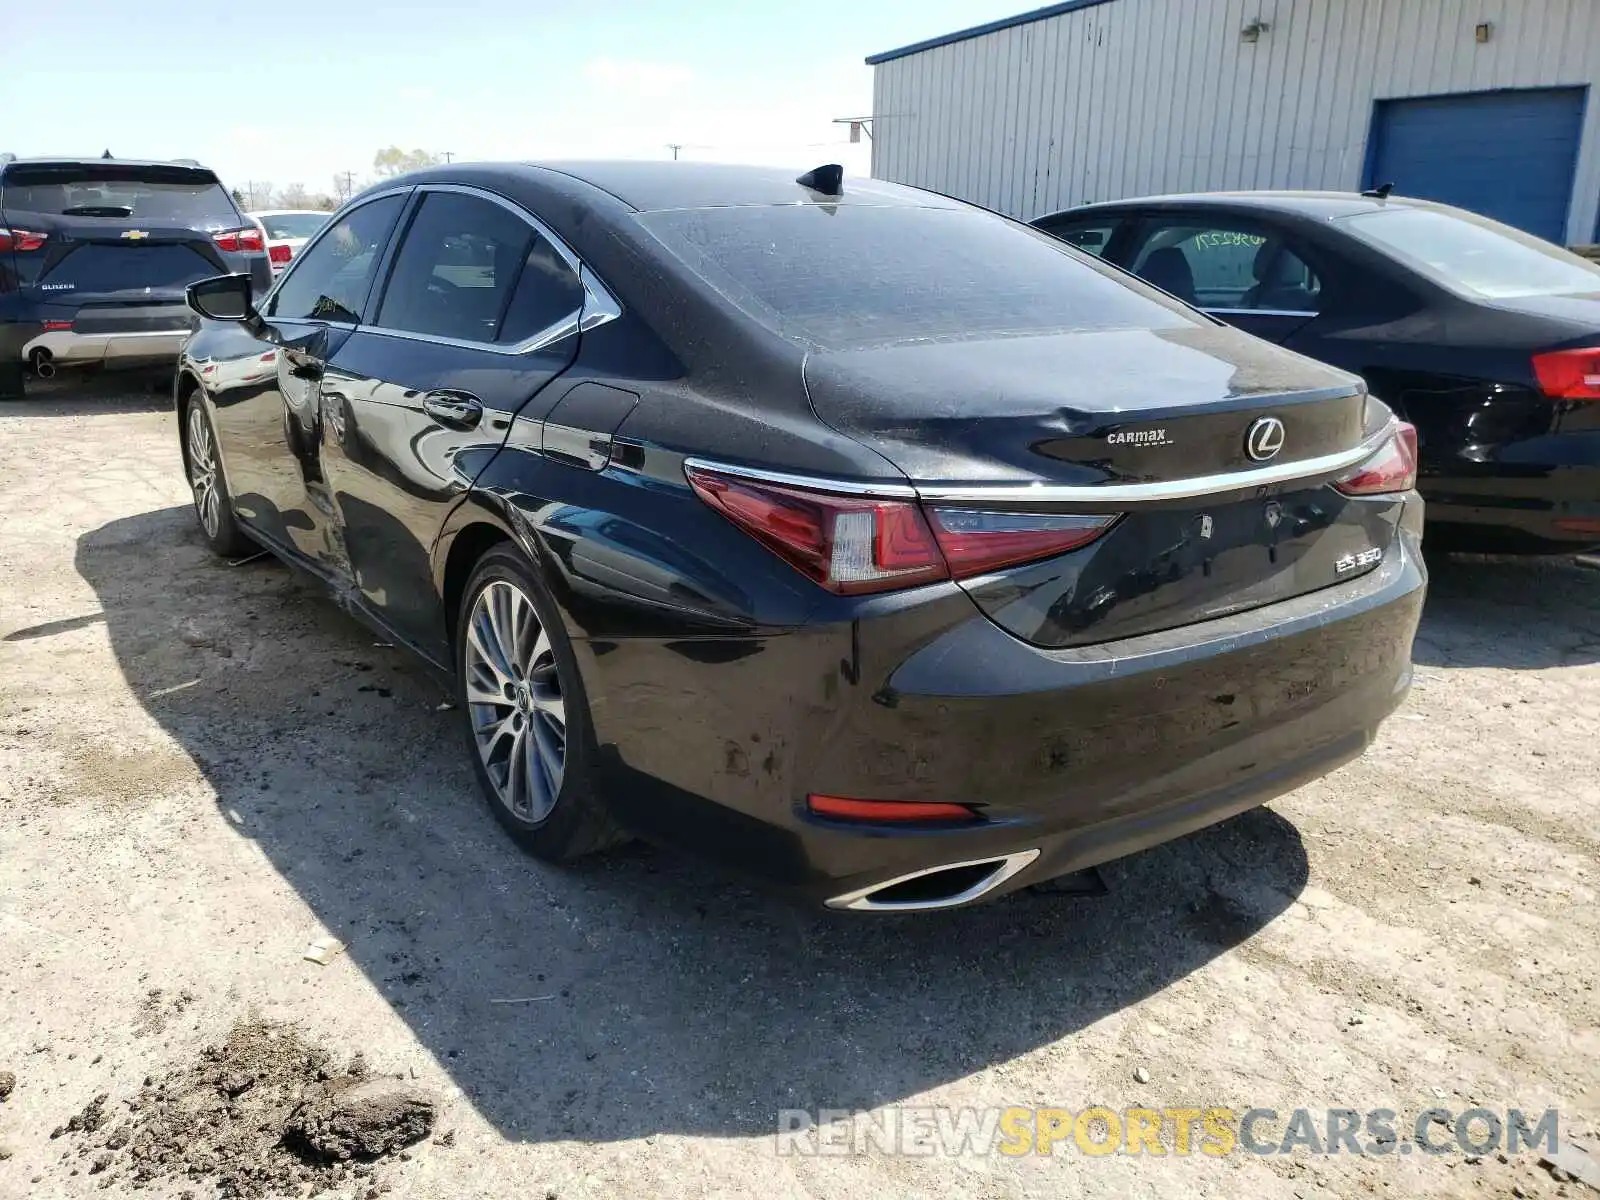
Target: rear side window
(330, 281)
(848, 276)
(472, 270)
(1473, 254)
(183, 196)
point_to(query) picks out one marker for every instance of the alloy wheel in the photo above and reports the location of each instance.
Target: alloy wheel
(203, 472)
(514, 700)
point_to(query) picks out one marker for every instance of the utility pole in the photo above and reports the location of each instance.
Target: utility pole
(449, 156)
(674, 147)
(343, 185)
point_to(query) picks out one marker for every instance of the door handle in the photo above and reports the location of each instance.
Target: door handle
(456, 409)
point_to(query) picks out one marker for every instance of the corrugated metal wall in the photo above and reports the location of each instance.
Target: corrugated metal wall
(1136, 97)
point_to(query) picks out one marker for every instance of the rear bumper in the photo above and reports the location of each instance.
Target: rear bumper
(65, 347)
(1539, 495)
(1073, 757)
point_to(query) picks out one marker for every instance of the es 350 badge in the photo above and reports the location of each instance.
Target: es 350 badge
(1354, 562)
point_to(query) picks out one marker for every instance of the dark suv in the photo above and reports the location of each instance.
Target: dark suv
(95, 255)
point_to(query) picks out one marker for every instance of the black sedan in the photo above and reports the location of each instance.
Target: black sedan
(844, 533)
(1484, 338)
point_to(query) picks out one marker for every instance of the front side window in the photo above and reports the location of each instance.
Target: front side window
(330, 280)
(1227, 266)
(1092, 237)
(471, 270)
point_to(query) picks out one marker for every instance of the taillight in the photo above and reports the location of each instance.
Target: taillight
(280, 253)
(976, 542)
(1392, 469)
(240, 241)
(21, 240)
(848, 544)
(854, 544)
(1569, 374)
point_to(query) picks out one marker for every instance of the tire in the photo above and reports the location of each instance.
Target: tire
(11, 382)
(213, 505)
(532, 745)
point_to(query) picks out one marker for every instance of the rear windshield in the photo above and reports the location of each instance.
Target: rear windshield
(848, 276)
(1473, 254)
(165, 195)
(291, 225)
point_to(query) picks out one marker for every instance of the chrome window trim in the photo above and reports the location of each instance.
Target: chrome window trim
(1067, 493)
(271, 293)
(1260, 312)
(605, 306)
(848, 487)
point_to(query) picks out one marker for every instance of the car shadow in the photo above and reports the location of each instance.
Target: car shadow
(640, 992)
(78, 395)
(1522, 614)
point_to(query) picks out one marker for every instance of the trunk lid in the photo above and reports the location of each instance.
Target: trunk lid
(107, 260)
(1083, 408)
(992, 424)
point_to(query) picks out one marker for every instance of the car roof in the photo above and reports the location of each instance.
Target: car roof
(645, 185)
(1317, 206)
(286, 212)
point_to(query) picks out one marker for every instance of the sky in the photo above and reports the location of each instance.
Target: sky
(290, 91)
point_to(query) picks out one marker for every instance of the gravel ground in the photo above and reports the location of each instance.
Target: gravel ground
(204, 767)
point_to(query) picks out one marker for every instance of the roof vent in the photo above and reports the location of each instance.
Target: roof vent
(827, 179)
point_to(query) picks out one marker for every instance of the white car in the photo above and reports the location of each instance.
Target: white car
(286, 230)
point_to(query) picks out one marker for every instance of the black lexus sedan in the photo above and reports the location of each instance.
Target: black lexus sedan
(873, 543)
(1483, 337)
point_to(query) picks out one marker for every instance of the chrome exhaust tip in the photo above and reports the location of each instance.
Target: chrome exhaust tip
(42, 366)
(948, 885)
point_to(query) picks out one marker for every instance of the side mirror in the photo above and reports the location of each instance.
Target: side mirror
(222, 297)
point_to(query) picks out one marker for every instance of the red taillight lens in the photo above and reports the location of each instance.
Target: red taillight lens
(976, 542)
(21, 240)
(56, 326)
(240, 241)
(848, 544)
(280, 253)
(1569, 374)
(853, 544)
(841, 808)
(1392, 469)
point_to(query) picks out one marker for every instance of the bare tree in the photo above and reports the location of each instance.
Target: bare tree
(344, 186)
(294, 195)
(392, 160)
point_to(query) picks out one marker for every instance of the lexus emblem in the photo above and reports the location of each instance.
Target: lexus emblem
(1264, 438)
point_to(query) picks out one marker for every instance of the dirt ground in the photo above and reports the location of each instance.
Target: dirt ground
(204, 767)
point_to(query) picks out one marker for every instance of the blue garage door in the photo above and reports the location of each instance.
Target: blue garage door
(1508, 155)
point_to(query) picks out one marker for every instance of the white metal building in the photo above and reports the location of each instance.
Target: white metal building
(1482, 103)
